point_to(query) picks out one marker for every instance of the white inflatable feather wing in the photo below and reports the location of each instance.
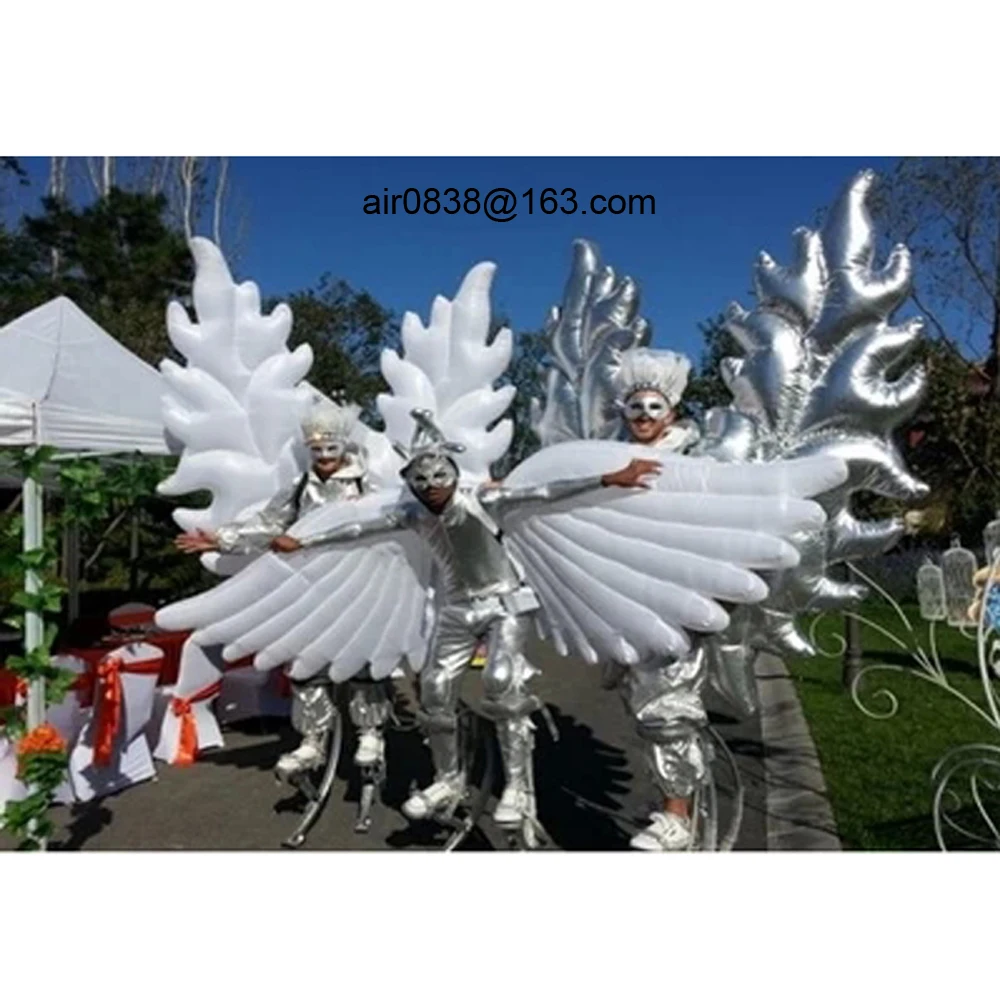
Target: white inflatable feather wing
(449, 368)
(237, 405)
(626, 574)
(340, 606)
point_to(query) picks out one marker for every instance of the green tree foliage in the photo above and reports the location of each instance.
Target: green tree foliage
(705, 387)
(525, 374)
(347, 331)
(115, 258)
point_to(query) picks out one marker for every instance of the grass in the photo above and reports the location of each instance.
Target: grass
(878, 771)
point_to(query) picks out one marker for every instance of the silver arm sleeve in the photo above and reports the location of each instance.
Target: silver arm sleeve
(254, 534)
(389, 522)
(504, 496)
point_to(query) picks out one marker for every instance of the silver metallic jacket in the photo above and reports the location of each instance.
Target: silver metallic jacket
(467, 544)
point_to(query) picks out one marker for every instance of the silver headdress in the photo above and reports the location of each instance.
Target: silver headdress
(428, 441)
(641, 369)
(328, 421)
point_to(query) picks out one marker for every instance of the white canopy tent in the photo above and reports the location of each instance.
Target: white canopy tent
(66, 383)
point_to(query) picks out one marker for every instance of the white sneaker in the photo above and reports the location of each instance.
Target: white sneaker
(371, 749)
(306, 757)
(666, 832)
(515, 804)
(437, 798)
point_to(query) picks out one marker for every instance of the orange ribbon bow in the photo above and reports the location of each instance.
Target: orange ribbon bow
(187, 747)
(108, 711)
(109, 699)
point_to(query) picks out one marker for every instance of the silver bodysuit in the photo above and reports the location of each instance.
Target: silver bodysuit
(664, 696)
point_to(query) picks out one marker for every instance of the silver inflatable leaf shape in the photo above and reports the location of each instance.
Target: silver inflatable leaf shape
(818, 378)
(598, 319)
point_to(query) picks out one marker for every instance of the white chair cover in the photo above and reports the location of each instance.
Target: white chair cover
(187, 706)
(129, 761)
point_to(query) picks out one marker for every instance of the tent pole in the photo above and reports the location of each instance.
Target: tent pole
(33, 508)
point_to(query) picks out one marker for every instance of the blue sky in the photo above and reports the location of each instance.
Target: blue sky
(713, 215)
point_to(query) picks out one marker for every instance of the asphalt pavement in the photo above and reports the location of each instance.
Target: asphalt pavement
(593, 791)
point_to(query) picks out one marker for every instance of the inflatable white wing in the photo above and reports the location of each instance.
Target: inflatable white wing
(342, 606)
(449, 368)
(622, 575)
(237, 405)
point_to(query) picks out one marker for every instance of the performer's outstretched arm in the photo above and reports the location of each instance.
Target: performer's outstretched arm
(249, 536)
(258, 531)
(393, 520)
(632, 475)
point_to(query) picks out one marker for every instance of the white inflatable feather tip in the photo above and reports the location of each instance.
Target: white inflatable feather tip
(665, 372)
(236, 406)
(450, 369)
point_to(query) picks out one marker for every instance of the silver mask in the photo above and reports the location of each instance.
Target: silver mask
(430, 471)
(650, 404)
(326, 448)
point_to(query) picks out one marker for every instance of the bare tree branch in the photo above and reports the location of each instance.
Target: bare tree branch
(220, 191)
(57, 190)
(189, 172)
(93, 174)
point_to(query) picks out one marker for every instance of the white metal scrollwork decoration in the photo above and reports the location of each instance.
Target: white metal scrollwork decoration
(966, 780)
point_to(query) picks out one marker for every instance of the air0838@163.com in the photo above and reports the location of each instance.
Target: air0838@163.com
(500, 204)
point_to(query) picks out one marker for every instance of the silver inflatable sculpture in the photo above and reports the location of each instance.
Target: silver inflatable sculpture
(598, 320)
(820, 375)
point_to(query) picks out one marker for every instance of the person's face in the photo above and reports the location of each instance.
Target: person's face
(327, 457)
(433, 480)
(647, 415)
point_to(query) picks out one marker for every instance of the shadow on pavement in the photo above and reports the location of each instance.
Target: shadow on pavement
(578, 780)
(88, 821)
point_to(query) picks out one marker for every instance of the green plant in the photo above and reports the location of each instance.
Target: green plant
(41, 754)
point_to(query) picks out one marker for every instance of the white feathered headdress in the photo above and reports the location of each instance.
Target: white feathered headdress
(328, 421)
(641, 369)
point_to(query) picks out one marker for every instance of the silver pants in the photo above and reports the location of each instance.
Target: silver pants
(458, 630)
(664, 700)
(313, 708)
(370, 705)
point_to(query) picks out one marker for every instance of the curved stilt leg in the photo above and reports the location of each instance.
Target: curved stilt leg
(476, 749)
(318, 796)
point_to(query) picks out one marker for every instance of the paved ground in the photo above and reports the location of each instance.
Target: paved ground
(593, 792)
(799, 816)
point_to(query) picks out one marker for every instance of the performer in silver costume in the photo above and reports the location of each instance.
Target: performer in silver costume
(481, 595)
(337, 472)
(663, 696)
